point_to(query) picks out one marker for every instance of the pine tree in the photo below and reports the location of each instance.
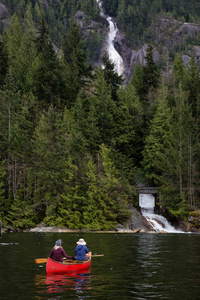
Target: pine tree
(150, 70)
(3, 201)
(3, 63)
(193, 86)
(105, 108)
(178, 70)
(113, 80)
(12, 38)
(159, 154)
(129, 121)
(45, 79)
(10, 131)
(138, 82)
(50, 152)
(185, 133)
(77, 71)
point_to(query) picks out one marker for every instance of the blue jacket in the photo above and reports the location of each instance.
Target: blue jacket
(81, 250)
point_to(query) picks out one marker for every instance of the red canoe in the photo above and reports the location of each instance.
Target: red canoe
(54, 267)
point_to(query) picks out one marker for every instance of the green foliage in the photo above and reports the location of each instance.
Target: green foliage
(193, 86)
(45, 79)
(151, 73)
(72, 143)
(49, 155)
(113, 80)
(134, 16)
(78, 71)
(178, 69)
(181, 209)
(21, 215)
(129, 120)
(3, 201)
(138, 81)
(3, 62)
(159, 145)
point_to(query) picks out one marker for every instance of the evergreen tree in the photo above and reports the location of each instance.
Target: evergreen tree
(45, 79)
(3, 63)
(150, 71)
(105, 108)
(113, 80)
(138, 81)
(77, 71)
(3, 201)
(12, 38)
(159, 154)
(50, 150)
(129, 121)
(178, 70)
(115, 199)
(193, 86)
(185, 133)
(10, 118)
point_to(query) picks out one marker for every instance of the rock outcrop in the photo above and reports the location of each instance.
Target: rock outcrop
(137, 223)
(130, 56)
(4, 16)
(165, 35)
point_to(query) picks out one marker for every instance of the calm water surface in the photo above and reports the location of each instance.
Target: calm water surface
(134, 266)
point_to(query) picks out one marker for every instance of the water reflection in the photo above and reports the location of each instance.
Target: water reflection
(59, 283)
(134, 266)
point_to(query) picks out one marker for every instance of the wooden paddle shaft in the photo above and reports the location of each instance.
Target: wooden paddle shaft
(40, 260)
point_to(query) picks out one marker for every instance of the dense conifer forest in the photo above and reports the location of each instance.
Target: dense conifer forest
(74, 141)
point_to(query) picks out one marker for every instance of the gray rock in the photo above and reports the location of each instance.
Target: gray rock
(119, 227)
(4, 16)
(166, 33)
(138, 223)
(190, 219)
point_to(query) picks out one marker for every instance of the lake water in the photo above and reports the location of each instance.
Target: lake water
(134, 266)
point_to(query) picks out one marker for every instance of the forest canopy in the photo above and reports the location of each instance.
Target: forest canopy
(74, 141)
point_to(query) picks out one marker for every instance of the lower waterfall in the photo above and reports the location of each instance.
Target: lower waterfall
(157, 222)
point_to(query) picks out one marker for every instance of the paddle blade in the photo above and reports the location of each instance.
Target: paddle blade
(40, 260)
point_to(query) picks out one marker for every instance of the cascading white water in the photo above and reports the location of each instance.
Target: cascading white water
(112, 53)
(158, 222)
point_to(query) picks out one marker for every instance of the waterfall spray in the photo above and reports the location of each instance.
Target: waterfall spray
(158, 222)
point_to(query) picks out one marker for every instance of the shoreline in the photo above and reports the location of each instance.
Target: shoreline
(44, 229)
(67, 230)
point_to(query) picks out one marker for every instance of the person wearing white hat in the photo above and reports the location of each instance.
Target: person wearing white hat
(81, 250)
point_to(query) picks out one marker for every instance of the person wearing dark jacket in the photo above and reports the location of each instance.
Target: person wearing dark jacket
(57, 253)
(81, 250)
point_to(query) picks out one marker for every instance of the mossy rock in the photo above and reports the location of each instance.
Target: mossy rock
(194, 218)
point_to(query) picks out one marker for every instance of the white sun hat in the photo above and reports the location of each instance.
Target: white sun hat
(81, 242)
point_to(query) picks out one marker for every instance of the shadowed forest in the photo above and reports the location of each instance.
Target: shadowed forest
(74, 141)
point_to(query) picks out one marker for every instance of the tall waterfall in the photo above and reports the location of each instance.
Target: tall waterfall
(113, 54)
(158, 222)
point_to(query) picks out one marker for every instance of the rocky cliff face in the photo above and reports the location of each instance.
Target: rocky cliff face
(166, 35)
(4, 16)
(130, 56)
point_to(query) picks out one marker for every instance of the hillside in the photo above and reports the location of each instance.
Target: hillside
(77, 138)
(151, 23)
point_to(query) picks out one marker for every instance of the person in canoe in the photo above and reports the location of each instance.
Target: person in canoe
(81, 250)
(57, 253)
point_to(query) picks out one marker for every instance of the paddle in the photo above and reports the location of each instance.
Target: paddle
(40, 260)
(44, 260)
